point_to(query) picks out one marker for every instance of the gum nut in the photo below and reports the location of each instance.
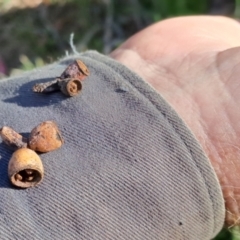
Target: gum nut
(77, 70)
(70, 86)
(13, 139)
(45, 137)
(25, 168)
(82, 67)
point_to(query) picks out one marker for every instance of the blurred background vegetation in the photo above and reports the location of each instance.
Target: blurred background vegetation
(37, 32)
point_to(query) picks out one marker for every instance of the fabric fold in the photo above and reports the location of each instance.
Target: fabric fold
(129, 167)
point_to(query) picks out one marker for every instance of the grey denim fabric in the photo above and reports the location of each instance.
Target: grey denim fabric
(129, 167)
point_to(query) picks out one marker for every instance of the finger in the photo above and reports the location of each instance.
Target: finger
(177, 36)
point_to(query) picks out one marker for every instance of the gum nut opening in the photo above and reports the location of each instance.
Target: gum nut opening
(70, 87)
(45, 137)
(25, 168)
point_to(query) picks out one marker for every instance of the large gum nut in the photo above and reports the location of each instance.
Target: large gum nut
(25, 168)
(45, 137)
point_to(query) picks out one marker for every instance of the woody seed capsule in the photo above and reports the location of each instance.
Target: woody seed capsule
(77, 70)
(25, 168)
(45, 137)
(13, 139)
(70, 86)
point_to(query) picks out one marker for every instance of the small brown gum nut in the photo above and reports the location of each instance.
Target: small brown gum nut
(77, 70)
(45, 137)
(13, 139)
(83, 68)
(25, 168)
(70, 86)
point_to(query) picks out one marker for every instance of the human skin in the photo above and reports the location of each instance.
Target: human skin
(194, 63)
